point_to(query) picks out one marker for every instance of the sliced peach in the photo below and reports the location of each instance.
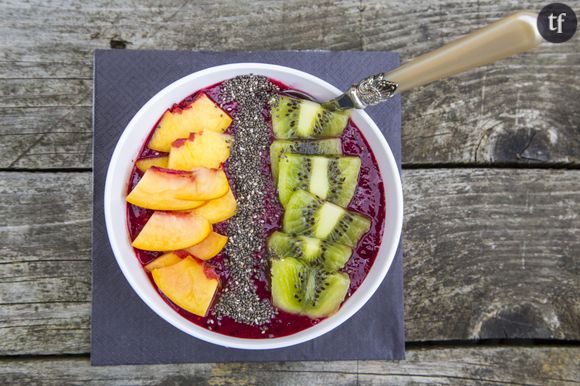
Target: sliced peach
(169, 231)
(206, 148)
(158, 190)
(209, 185)
(145, 163)
(165, 189)
(219, 209)
(209, 247)
(161, 201)
(190, 284)
(179, 155)
(202, 114)
(164, 260)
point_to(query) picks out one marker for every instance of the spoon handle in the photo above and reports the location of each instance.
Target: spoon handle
(506, 37)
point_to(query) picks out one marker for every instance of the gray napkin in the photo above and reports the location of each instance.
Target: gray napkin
(123, 329)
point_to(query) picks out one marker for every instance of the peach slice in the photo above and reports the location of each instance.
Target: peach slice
(206, 148)
(166, 260)
(145, 163)
(219, 209)
(169, 231)
(165, 189)
(161, 201)
(190, 284)
(202, 114)
(209, 247)
(209, 184)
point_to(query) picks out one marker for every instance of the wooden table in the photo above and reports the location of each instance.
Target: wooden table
(491, 180)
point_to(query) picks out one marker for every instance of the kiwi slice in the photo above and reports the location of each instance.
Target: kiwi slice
(330, 293)
(287, 275)
(320, 146)
(303, 289)
(309, 215)
(300, 118)
(333, 178)
(327, 255)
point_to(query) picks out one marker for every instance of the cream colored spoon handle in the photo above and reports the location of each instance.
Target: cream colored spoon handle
(506, 37)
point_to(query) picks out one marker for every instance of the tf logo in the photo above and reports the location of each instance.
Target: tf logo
(557, 23)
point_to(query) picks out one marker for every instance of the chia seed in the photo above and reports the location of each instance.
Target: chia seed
(239, 300)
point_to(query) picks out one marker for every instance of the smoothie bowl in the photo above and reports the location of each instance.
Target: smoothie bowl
(248, 218)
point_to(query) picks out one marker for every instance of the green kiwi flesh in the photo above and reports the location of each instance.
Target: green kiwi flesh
(286, 280)
(324, 254)
(333, 178)
(317, 146)
(303, 289)
(309, 215)
(300, 118)
(331, 291)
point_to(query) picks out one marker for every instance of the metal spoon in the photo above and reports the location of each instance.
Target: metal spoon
(509, 36)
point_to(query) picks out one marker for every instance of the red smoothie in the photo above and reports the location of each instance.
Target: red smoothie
(369, 199)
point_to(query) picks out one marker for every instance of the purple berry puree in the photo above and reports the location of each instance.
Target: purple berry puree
(369, 199)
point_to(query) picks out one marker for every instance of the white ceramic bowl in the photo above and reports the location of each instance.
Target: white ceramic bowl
(128, 148)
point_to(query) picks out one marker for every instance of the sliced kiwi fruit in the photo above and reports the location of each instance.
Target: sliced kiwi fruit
(309, 215)
(330, 293)
(327, 255)
(287, 278)
(333, 178)
(317, 146)
(300, 118)
(300, 288)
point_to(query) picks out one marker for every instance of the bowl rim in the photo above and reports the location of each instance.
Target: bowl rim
(389, 242)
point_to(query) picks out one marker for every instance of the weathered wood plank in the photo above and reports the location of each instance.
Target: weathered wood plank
(46, 137)
(45, 328)
(57, 281)
(45, 216)
(521, 110)
(488, 254)
(51, 92)
(459, 366)
(495, 252)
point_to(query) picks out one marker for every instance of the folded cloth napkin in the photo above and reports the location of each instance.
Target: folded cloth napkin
(124, 330)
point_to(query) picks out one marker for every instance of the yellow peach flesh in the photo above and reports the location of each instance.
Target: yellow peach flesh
(209, 247)
(188, 285)
(205, 148)
(219, 209)
(146, 163)
(170, 231)
(164, 260)
(202, 114)
(164, 189)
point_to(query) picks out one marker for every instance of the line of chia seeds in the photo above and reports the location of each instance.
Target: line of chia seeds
(239, 299)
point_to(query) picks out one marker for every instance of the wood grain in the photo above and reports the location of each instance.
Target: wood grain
(459, 366)
(519, 111)
(45, 217)
(489, 253)
(45, 246)
(492, 254)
